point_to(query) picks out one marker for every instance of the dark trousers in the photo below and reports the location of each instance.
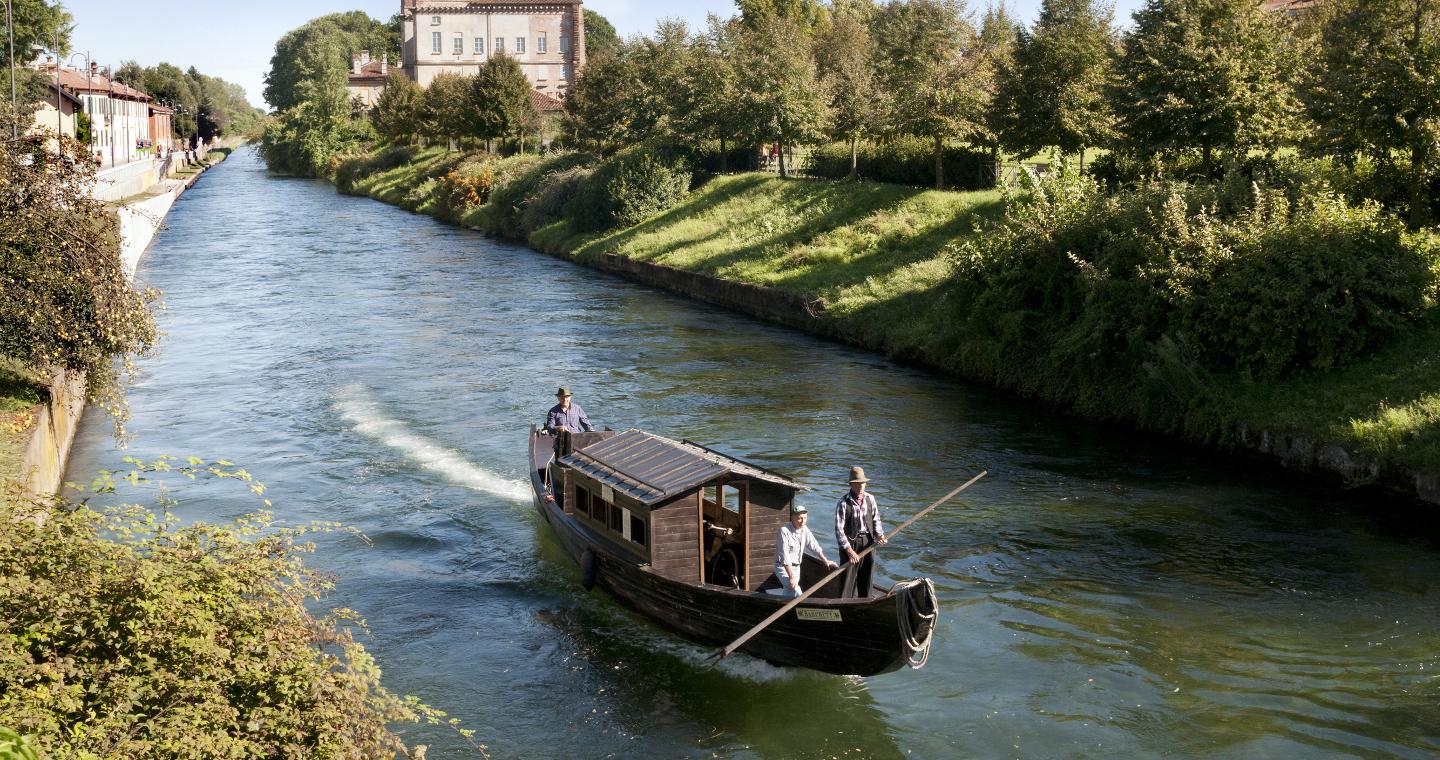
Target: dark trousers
(856, 583)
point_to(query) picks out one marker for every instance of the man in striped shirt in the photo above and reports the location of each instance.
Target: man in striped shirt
(857, 527)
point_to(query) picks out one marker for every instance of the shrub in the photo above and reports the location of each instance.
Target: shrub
(905, 161)
(526, 177)
(464, 188)
(420, 194)
(1077, 292)
(125, 633)
(629, 187)
(549, 205)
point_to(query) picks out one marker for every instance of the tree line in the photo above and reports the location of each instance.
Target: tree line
(205, 106)
(1207, 80)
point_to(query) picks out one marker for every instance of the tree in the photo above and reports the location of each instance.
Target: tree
(932, 63)
(37, 22)
(306, 138)
(601, 39)
(599, 107)
(169, 85)
(1204, 74)
(1378, 92)
(444, 108)
(130, 73)
(341, 35)
(65, 300)
(780, 97)
(397, 111)
(498, 103)
(999, 33)
(806, 15)
(712, 87)
(1054, 93)
(845, 55)
(663, 62)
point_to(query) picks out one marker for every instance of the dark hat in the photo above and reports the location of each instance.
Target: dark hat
(563, 391)
(798, 509)
(857, 475)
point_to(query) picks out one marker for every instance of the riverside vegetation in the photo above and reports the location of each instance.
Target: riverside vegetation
(1252, 251)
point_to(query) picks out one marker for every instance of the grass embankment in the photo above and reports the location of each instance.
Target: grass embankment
(877, 258)
(18, 398)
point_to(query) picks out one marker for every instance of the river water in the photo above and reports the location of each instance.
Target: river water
(1103, 595)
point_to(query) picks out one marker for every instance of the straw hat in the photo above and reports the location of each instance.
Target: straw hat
(857, 475)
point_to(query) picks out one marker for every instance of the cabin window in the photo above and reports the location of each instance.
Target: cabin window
(616, 519)
(582, 501)
(599, 509)
(637, 529)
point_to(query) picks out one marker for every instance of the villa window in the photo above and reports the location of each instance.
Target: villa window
(540, 46)
(459, 46)
(519, 44)
(479, 46)
(435, 42)
(564, 43)
(499, 44)
(434, 21)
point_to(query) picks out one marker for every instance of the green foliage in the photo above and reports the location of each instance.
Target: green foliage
(803, 14)
(601, 39)
(1053, 93)
(65, 300)
(937, 72)
(13, 746)
(337, 36)
(1378, 92)
(463, 189)
(444, 108)
(779, 97)
(903, 161)
(1078, 294)
(522, 181)
(497, 103)
(397, 112)
(1206, 75)
(598, 110)
(845, 56)
(628, 187)
(36, 22)
(315, 124)
(126, 633)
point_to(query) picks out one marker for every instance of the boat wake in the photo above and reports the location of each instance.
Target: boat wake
(369, 419)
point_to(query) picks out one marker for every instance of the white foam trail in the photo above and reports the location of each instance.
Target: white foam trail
(369, 419)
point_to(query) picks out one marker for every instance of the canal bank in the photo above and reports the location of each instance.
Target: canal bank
(754, 245)
(53, 422)
(1102, 594)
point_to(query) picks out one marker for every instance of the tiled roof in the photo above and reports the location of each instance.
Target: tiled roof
(369, 71)
(545, 103)
(77, 81)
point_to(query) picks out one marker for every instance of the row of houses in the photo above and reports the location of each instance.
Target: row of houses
(126, 124)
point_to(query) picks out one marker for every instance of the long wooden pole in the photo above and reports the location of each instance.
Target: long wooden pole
(763, 624)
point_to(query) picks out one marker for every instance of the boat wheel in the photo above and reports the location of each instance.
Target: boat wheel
(725, 568)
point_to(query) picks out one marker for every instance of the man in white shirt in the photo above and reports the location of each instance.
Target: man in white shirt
(790, 544)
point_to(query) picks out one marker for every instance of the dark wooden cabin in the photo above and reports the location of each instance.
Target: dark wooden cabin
(692, 514)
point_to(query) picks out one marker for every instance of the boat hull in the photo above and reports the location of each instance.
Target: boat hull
(842, 636)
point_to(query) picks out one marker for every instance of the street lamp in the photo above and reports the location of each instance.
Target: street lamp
(91, 142)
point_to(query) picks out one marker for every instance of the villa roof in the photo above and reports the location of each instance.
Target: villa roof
(545, 103)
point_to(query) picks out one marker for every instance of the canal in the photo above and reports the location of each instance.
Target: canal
(1104, 595)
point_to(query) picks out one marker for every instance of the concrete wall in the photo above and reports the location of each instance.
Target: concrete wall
(43, 464)
(126, 180)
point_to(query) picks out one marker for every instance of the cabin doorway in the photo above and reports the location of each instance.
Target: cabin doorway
(722, 515)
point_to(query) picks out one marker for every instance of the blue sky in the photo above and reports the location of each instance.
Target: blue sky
(234, 41)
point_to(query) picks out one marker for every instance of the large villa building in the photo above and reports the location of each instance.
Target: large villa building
(546, 37)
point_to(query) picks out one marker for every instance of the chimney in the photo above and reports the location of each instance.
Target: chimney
(364, 57)
(354, 65)
(385, 64)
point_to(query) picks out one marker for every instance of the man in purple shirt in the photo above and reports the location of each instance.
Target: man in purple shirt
(566, 416)
(857, 527)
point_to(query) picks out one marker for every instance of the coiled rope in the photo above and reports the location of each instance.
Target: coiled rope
(912, 619)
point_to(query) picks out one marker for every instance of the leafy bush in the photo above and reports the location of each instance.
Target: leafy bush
(905, 161)
(420, 194)
(357, 167)
(549, 205)
(526, 180)
(630, 187)
(464, 188)
(1077, 292)
(125, 633)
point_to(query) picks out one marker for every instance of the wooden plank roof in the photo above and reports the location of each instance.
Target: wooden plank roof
(651, 468)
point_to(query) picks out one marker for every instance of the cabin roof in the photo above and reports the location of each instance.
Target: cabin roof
(650, 468)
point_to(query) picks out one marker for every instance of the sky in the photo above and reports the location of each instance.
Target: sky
(234, 41)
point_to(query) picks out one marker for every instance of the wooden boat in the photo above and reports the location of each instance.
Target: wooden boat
(686, 535)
